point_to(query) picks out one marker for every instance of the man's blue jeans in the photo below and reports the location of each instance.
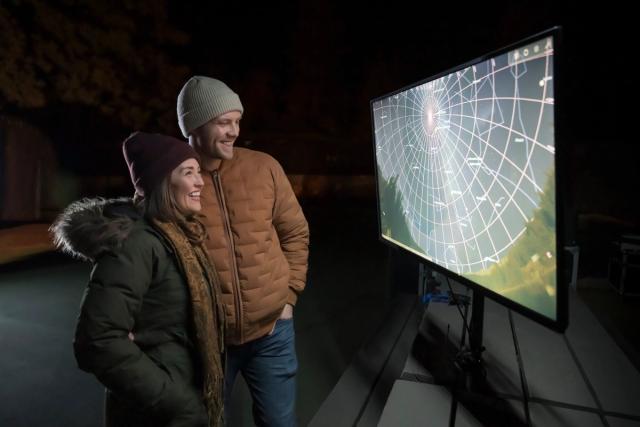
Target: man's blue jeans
(269, 367)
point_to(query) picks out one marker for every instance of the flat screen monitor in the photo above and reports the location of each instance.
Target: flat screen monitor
(467, 175)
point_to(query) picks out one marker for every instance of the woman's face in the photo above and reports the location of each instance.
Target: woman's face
(186, 184)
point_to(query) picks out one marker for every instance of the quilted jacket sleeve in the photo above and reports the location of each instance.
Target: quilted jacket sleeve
(293, 231)
(111, 301)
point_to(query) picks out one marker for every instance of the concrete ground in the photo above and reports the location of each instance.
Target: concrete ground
(347, 299)
(343, 305)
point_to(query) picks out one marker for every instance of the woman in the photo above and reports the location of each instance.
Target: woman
(150, 327)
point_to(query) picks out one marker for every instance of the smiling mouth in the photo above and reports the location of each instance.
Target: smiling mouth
(195, 195)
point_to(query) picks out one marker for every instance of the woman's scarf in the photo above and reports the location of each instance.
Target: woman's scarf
(204, 287)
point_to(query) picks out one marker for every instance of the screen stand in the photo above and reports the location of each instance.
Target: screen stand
(469, 358)
(470, 374)
(475, 340)
(477, 323)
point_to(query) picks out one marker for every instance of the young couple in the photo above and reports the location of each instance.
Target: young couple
(194, 278)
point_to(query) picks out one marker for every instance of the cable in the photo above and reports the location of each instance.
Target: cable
(465, 329)
(455, 301)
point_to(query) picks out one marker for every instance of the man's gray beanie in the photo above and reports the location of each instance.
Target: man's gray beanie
(203, 98)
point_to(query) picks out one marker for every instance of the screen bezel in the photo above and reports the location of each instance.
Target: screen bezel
(562, 282)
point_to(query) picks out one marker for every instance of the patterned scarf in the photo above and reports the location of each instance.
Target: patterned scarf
(204, 288)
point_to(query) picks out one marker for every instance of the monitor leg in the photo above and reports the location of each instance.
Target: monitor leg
(476, 368)
(477, 324)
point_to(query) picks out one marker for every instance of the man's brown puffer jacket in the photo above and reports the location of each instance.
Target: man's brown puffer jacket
(258, 241)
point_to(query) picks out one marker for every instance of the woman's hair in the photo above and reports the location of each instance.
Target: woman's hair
(160, 204)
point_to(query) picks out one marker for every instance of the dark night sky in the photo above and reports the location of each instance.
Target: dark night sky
(306, 71)
(312, 67)
(342, 55)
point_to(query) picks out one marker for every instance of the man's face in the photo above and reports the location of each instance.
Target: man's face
(215, 138)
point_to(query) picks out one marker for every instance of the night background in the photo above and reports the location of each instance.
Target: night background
(77, 77)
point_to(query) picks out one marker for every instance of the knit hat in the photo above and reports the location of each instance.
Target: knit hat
(151, 157)
(203, 98)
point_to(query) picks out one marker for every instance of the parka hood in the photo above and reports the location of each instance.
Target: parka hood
(88, 227)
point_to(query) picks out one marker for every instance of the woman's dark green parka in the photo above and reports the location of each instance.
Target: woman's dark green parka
(135, 330)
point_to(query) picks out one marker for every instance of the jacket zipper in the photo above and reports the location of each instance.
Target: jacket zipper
(236, 277)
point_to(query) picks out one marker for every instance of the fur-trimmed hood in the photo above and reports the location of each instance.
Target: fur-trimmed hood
(88, 227)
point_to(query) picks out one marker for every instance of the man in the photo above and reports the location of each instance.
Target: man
(258, 241)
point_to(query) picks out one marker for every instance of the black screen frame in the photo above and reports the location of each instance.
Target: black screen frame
(562, 281)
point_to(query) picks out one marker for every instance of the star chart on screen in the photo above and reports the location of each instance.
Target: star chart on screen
(466, 173)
